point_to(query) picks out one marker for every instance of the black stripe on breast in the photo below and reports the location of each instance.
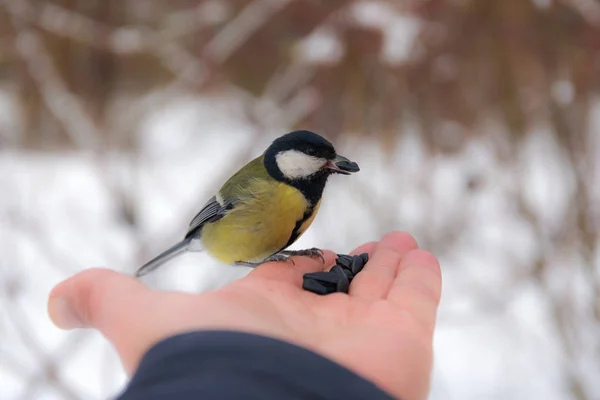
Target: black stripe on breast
(295, 232)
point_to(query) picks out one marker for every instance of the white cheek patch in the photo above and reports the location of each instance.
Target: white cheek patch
(294, 164)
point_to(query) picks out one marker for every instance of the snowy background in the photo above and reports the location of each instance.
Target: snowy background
(117, 121)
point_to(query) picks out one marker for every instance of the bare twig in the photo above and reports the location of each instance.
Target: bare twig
(241, 28)
(58, 99)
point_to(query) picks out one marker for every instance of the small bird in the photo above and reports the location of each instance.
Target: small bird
(265, 206)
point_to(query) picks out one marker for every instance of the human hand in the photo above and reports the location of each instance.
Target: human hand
(382, 329)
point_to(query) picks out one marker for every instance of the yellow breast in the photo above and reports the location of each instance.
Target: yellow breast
(260, 224)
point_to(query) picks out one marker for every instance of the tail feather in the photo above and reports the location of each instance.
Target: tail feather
(162, 258)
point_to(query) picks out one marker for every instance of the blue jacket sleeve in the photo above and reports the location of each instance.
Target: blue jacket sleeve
(234, 365)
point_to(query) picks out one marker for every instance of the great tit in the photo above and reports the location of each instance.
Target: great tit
(265, 206)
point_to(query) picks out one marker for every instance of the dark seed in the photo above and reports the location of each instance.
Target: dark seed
(338, 278)
(357, 264)
(365, 257)
(344, 261)
(315, 287)
(322, 277)
(343, 284)
(337, 270)
(350, 275)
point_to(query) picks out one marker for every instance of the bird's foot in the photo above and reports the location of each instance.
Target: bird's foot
(281, 256)
(314, 252)
(284, 255)
(275, 257)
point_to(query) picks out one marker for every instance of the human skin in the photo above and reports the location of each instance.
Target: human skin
(382, 329)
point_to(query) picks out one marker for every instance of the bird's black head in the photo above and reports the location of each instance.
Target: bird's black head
(303, 159)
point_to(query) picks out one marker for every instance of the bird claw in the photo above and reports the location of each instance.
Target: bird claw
(280, 257)
(285, 256)
(274, 258)
(313, 252)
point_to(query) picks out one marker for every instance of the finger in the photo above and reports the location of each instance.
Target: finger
(292, 273)
(364, 248)
(417, 288)
(112, 303)
(376, 278)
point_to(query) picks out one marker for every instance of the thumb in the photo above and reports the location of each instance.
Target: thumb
(106, 300)
(94, 298)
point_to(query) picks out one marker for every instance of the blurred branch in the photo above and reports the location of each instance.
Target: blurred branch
(188, 21)
(49, 370)
(163, 44)
(45, 248)
(588, 9)
(231, 36)
(48, 366)
(238, 30)
(58, 99)
(561, 303)
(123, 41)
(7, 49)
(12, 364)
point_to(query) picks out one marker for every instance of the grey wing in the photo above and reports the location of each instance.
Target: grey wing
(211, 212)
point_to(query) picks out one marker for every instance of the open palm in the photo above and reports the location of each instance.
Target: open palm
(382, 329)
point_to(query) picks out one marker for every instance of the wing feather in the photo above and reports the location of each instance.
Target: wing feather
(212, 211)
(237, 189)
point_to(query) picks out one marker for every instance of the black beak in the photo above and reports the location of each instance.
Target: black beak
(342, 165)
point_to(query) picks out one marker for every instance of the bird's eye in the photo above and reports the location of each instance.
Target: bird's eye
(311, 152)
